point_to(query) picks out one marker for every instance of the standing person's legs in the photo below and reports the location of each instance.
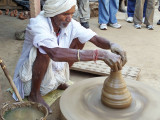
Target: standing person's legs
(113, 9)
(76, 13)
(130, 10)
(144, 9)
(38, 71)
(84, 11)
(103, 17)
(122, 6)
(138, 14)
(150, 12)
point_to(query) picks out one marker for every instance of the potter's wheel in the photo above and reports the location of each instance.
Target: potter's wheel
(82, 101)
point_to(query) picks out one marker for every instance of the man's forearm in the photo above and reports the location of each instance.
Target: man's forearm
(101, 42)
(72, 55)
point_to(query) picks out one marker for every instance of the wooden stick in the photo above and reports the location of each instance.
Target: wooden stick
(10, 80)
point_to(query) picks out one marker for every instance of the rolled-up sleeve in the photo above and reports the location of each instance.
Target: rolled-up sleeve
(82, 33)
(42, 36)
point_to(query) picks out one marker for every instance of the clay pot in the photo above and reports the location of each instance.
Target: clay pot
(1, 12)
(15, 13)
(7, 12)
(115, 93)
(8, 107)
(21, 16)
(12, 14)
(27, 14)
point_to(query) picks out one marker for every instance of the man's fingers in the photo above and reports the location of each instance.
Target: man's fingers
(121, 53)
(109, 64)
(115, 67)
(119, 65)
(125, 59)
(115, 62)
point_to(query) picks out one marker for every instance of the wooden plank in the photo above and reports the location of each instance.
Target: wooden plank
(100, 68)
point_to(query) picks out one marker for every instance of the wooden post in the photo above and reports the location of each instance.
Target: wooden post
(34, 8)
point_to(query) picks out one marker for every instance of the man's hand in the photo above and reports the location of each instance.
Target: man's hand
(115, 48)
(112, 60)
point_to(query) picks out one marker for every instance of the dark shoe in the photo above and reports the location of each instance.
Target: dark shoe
(158, 23)
(159, 8)
(85, 24)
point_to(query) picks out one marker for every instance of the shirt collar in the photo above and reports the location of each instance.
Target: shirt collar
(64, 31)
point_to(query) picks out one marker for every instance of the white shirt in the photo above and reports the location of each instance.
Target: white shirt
(41, 30)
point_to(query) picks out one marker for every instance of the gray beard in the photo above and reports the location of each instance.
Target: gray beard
(62, 26)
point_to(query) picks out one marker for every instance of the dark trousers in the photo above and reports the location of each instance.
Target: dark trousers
(131, 8)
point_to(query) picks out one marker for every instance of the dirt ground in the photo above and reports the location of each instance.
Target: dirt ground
(142, 46)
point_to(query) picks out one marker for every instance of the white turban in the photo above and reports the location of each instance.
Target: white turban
(54, 7)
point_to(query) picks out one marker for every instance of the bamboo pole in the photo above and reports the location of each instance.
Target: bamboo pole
(10, 80)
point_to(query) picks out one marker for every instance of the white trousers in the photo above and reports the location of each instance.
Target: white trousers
(51, 81)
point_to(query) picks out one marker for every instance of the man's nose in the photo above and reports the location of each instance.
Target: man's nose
(69, 17)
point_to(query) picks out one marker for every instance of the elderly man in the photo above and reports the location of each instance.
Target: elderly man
(53, 39)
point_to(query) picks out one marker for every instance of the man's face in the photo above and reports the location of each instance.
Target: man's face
(62, 20)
